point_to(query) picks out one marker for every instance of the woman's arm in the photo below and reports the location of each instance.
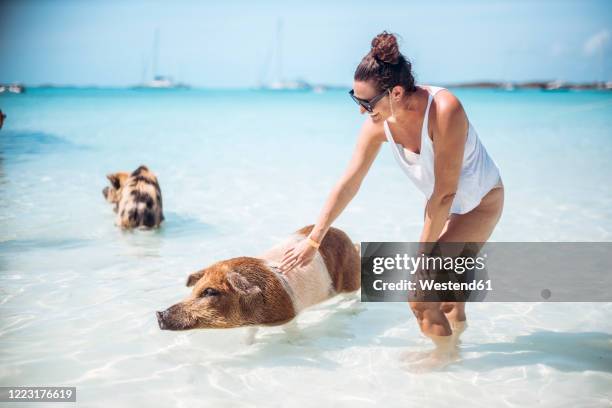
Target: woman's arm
(366, 150)
(450, 130)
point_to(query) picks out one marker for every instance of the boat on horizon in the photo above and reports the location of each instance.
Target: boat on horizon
(162, 82)
(12, 88)
(295, 85)
(279, 83)
(159, 81)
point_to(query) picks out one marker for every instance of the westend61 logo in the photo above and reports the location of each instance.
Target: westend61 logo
(491, 272)
(447, 273)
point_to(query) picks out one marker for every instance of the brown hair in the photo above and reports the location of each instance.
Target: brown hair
(385, 65)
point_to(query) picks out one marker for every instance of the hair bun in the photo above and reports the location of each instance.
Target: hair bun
(385, 48)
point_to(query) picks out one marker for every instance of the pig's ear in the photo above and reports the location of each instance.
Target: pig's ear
(195, 277)
(242, 285)
(117, 179)
(114, 180)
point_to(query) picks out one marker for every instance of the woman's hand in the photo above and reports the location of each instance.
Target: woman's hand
(300, 254)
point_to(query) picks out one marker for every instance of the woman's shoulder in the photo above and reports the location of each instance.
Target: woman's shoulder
(373, 130)
(447, 110)
(444, 102)
(440, 94)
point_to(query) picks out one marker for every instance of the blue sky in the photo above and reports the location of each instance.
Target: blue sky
(232, 44)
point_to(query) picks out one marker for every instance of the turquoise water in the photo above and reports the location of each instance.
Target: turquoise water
(240, 170)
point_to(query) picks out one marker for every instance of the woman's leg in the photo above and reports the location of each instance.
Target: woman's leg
(435, 318)
(454, 311)
(429, 315)
(455, 314)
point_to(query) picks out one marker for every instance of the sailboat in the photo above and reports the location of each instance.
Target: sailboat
(12, 88)
(159, 81)
(280, 84)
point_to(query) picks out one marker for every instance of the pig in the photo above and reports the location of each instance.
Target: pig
(252, 291)
(136, 198)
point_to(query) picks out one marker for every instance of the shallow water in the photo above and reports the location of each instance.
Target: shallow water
(240, 170)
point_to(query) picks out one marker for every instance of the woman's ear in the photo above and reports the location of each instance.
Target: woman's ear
(397, 92)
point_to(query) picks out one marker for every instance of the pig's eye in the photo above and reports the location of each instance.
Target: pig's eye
(209, 292)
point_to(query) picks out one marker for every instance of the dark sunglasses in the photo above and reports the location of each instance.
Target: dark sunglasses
(368, 104)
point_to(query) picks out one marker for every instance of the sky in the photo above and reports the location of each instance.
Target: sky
(234, 44)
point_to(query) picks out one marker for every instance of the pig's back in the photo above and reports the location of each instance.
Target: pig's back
(334, 268)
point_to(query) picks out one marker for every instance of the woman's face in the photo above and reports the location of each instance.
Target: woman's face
(366, 90)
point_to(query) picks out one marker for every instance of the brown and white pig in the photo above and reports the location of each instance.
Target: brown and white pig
(251, 291)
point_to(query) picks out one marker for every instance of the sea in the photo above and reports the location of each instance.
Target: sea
(239, 171)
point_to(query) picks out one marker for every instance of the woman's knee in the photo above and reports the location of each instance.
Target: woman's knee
(430, 318)
(420, 309)
(448, 307)
(454, 310)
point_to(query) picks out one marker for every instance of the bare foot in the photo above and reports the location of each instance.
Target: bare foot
(458, 327)
(413, 356)
(444, 353)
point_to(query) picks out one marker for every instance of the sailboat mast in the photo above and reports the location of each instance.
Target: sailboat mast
(155, 51)
(279, 53)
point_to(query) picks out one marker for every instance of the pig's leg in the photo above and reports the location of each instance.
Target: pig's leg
(291, 329)
(351, 302)
(251, 333)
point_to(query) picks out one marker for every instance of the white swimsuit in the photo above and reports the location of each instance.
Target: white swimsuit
(479, 172)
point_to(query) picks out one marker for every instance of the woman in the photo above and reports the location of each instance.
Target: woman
(435, 144)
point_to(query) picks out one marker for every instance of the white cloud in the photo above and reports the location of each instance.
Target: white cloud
(596, 42)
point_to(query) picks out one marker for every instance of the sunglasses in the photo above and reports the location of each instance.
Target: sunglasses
(368, 104)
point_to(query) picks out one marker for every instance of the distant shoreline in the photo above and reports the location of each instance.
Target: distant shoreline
(502, 85)
(543, 85)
